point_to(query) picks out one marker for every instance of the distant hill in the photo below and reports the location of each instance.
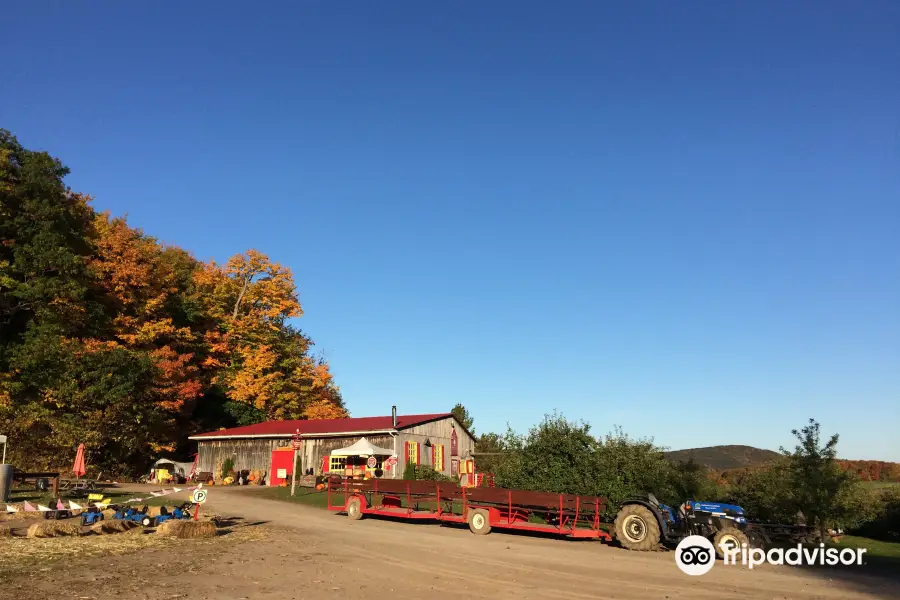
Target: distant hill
(723, 458)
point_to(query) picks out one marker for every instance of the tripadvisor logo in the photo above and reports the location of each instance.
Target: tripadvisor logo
(795, 556)
(695, 555)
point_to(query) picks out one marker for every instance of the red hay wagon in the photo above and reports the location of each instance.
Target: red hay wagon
(482, 509)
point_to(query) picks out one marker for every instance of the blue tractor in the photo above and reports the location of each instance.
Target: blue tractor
(91, 516)
(127, 513)
(644, 523)
(182, 512)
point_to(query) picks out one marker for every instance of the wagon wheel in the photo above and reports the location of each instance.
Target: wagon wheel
(354, 509)
(480, 521)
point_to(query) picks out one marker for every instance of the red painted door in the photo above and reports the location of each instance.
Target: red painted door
(282, 461)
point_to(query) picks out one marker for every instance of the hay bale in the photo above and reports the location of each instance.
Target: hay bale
(114, 526)
(187, 529)
(170, 528)
(51, 529)
(5, 532)
(198, 529)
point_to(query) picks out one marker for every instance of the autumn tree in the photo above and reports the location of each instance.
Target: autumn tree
(61, 382)
(112, 339)
(149, 289)
(263, 361)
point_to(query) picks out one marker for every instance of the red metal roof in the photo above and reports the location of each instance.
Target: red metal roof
(323, 426)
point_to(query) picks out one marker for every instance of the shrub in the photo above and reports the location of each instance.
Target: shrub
(885, 524)
(410, 471)
(427, 473)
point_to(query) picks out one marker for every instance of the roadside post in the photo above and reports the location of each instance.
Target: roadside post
(5, 474)
(198, 498)
(296, 444)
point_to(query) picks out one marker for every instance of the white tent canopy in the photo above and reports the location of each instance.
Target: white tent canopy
(165, 463)
(362, 448)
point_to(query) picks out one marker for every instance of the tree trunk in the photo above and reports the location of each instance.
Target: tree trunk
(237, 304)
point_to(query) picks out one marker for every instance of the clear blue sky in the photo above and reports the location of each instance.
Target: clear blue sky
(678, 217)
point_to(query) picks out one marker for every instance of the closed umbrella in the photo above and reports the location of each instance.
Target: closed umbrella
(194, 467)
(78, 467)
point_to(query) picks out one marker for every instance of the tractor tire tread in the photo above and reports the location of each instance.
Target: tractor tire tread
(734, 532)
(650, 542)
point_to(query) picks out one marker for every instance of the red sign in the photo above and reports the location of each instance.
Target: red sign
(454, 444)
(372, 462)
(296, 441)
(391, 462)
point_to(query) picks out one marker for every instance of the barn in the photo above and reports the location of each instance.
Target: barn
(437, 440)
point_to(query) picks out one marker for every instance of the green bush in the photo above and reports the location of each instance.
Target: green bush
(562, 456)
(885, 524)
(427, 473)
(410, 472)
(691, 481)
(228, 467)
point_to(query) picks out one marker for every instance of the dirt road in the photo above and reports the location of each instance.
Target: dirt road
(310, 553)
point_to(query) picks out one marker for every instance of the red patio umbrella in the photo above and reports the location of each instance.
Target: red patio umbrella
(78, 467)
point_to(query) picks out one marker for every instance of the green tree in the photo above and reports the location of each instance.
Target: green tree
(823, 491)
(692, 481)
(555, 456)
(628, 467)
(489, 451)
(45, 240)
(767, 493)
(562, 456)
(409, 472)
(462, 415)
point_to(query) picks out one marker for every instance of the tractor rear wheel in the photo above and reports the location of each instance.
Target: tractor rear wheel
(729, 538)
(480, 521)
(354, 509)
(636, 528)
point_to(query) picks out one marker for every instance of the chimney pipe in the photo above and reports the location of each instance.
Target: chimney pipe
(394, 416)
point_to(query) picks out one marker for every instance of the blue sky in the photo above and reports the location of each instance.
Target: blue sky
(681, 218)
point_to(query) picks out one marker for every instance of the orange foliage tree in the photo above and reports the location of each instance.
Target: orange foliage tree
(261, 359)
(110, 338)
(147, 283)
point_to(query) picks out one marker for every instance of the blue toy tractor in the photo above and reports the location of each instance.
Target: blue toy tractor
(644, 523)
(179, 512)
(91, 515)
(126, 513)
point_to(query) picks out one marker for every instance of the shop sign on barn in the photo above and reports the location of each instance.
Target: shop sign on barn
(296, 442)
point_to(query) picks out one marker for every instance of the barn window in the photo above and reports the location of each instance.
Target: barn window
(437, 457)
(412, 453)
(338, 463)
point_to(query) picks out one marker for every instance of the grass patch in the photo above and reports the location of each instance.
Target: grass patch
(879, 555)
(878, 485)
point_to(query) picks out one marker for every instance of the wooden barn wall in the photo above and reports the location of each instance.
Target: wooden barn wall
(249, 453)
(315, 448)
(439, 433)
(256, 453)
